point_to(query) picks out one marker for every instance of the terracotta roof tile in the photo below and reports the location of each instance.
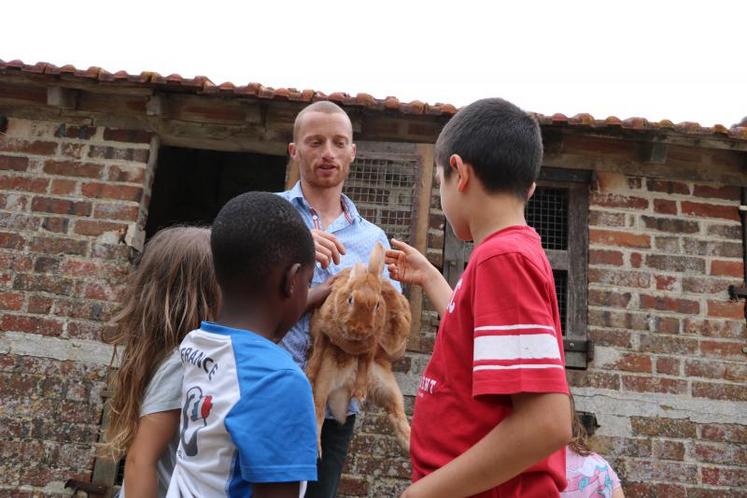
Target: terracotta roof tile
(203, 85)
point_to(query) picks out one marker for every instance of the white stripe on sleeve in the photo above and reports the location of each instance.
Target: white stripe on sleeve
(516, 347)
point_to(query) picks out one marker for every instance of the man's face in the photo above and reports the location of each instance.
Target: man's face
(323, 149)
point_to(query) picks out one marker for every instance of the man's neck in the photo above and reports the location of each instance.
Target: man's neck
(240, 316)
(325, 201)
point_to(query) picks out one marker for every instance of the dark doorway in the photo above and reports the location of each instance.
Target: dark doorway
(191, 185)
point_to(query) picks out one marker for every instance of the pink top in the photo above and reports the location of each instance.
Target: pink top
(588, 476)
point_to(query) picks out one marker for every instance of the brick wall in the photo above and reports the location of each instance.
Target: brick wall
(70, 199)
(668, 381)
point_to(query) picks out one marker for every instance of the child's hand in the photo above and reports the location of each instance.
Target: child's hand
(317, 295)
(406, 264)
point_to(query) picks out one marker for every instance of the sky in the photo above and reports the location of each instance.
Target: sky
(658, 59)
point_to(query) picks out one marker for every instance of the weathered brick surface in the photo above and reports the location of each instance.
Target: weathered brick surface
(664, 327)
(64, 216)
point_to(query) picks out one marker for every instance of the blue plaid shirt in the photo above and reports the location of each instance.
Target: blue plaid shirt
(359, 236)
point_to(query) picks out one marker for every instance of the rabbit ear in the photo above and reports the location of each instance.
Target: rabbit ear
(376, 263)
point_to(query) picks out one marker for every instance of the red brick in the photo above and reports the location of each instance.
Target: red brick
(665, 206)
(23, 183)
(635, 182)
(727, 268)
(9, 240)
(666, 282)
(667, 187)
(15, 262)
(132, 136)
(605, 257)
(31, 324)
(110, 191)
(728, 193)
(353, 486)
(710, 210)
(87, 330)
(650, 471)
(620, 278)
(59, 245)
(63, 187)
(604, 218)
(720, 476)
(714, 328)
(668, 365)
(616, 338)
(95, 228)
(617, 239)
(710, 369)
(668, 450)
(11, 301)
(729, 454)
(676, 305)
(61, 206)
(39, 305)
(663, 427)
(633, 362)
(618, 201)
(56, 225)
(654, 385)
(636, 259)
(734, 310)
(709, 492)
(123, 212)
(74, 151)
(609, 298)
(735, 433)
(730, 392)
(664, 324)
(73, 168)
(678, 264)
(87, 267)
(722, 349)
(14, 163)
(28, 147)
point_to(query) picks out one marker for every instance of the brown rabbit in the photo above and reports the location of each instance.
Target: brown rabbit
(357, 333)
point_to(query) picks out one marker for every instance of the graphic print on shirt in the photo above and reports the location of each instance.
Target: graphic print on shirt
(451, 305)
(195, 412)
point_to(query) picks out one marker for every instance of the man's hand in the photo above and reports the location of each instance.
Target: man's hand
(328, 248)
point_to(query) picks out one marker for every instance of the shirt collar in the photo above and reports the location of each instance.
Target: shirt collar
(352, 212)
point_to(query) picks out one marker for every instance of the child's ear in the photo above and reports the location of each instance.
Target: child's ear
(463, 171)
(532, 189)
(290, 280)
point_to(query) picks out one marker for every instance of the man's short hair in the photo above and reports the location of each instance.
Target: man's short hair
(253, 233)
(501, 142)
(323, 106)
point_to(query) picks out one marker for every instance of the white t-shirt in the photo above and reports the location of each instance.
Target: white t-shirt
(163, 394)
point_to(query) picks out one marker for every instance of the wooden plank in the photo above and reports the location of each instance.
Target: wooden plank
(419, 234)
(578, 240)
(62, 97)
(559, 260)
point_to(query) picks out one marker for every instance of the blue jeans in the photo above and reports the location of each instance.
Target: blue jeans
(335, 443)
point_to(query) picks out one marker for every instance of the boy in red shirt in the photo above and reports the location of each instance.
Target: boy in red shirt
(492, 415)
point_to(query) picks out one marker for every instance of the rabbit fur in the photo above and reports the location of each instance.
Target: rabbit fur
(357, 333)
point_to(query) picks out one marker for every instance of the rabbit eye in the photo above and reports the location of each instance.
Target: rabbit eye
(377, 304)
(350, 299)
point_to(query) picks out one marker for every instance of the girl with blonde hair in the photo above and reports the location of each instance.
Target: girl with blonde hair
(170, 292)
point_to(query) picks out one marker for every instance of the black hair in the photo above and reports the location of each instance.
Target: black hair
(254, 233)
(501, 142)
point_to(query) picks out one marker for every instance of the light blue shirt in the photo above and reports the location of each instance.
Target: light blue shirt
(359, 236)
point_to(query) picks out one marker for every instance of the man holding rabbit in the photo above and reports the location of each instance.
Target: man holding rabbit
(323, 150)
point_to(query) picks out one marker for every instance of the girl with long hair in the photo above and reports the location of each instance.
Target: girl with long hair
(172, 289)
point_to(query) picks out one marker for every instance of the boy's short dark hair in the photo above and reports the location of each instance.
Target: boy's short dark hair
(501, 142)
(254, 233)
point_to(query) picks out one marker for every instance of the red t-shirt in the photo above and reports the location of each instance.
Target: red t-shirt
(500, 335)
